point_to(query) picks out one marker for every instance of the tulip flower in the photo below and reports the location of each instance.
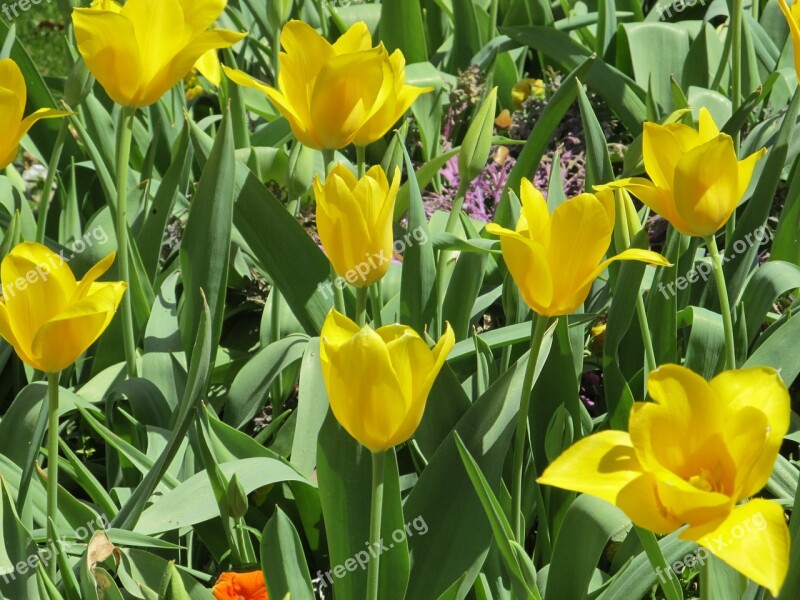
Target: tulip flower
(241, 586)
(13, 127)
(690, 458)
(45, 314)
(354, 219)
(793, 18)
(378, 380)
(696, 181)
(336, 94)
(555, 258)
(142, 49)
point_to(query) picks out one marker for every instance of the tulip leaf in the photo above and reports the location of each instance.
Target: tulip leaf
(312, 406)
(467, 35)
(436, 566)
(419, 268)
(588, 525)
(282, 559)
(772, 350)
(401, 27)
(278, 243)
(139, 569)
(705, 350)
(205, 245)
(16, 546)
(766, 285)
(598, 162)
(738, 264)
(503, 534)
(252, 383)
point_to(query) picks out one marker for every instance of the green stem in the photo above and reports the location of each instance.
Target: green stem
(328, 156)
(124, 134)
(736, 59)
(538, 328)
(444, 255)
(274, 336)
(376, 303)
(276, 53)
(52, 463)
(376, 512)
(52, 169)
(361, 305)
(668, 581)
(724, 304)
(361, 160)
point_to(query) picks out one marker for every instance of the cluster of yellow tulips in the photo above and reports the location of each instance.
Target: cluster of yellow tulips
(688, 458)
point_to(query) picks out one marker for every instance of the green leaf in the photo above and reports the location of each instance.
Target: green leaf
(766, 285)
(401, 28)
(772, 352)
(598, 162)
(16, 547)
(283, 560)
(477, 142)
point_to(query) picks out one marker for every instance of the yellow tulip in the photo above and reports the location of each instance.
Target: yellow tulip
(141, 50)
(696, 181)
(690, 458)
(45, 314)
(525, 88)
(354, 220)
(209, 67)
(336, 94)
(378, 381)
(793, 18)
(555, 258)
(13, 127)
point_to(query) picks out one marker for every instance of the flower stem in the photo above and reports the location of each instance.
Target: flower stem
(361, 158)
(669, 584)
(538, 328)
(361, 305)
(376, 512)
(52, 462)
(328, 156)
(724, 304)
(736, 58)
(52, 169)
(124, 134)
(376, 303)
(444, 255)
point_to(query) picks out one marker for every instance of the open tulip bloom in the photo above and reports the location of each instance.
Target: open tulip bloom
(241, 586)
(45, 314)
(691, 457)
(142, 49)
(555, 258)
(13, 126)
(793, 19)
(336, 94)
(354, 218)
(696, 180)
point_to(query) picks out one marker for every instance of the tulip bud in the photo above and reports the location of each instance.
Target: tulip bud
(79, 84)
(478, 142)
(237, 498)
(278, 11)
(354, 219)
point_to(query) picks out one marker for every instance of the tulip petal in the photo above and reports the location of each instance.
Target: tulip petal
(707, 185)
(753, 539)
(746, 168)
(662, 148)
(182, 63)
(363, 390)
(640, 502)
(201, 14)
(349, 90)
(93, 275)
(762, 390)
(42, 113)
(107, 41)
(355, 39)
(656, 198)
(59, 342)
(582, 218)
(37, 285)
(600, 465)
(13, 93)
(7, 332)
(535, 216)
(708, 128)
(794, 29)
(308, 49)
(648, 256)
(209, 67)
(527, 262)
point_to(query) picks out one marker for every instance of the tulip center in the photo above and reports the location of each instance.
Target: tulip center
(706, 481)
